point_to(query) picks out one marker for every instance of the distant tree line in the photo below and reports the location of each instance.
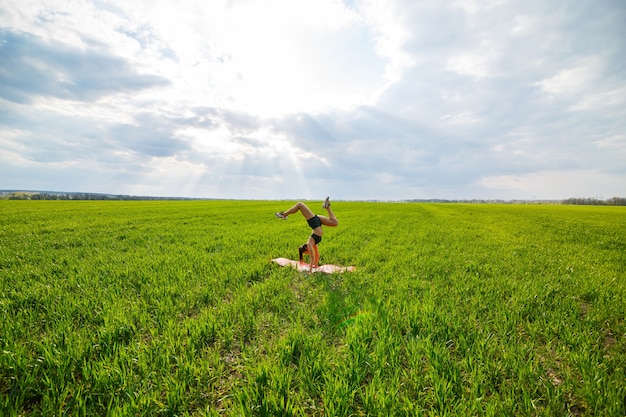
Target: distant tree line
(37, 195)
(79, 196)
(479, 201)
(615, 201)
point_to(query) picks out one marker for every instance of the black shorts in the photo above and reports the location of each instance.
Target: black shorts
(316, 238)
(314, 222)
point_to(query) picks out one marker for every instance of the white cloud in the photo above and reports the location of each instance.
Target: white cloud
(477, 64)
(386, 20)
(280, 61)
(473, 7)
(574, 80)
(616, 143)
(523, 25)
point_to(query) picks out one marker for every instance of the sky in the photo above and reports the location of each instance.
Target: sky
(303, 99)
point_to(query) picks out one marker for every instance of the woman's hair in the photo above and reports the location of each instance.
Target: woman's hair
(303, 249)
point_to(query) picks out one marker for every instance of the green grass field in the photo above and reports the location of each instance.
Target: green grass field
(172, 308)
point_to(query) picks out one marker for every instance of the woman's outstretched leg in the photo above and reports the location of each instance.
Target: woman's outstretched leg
(298, 207)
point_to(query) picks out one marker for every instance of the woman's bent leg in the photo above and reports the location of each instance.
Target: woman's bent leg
(331, 220)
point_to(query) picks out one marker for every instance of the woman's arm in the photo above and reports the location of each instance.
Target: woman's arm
(314, 255)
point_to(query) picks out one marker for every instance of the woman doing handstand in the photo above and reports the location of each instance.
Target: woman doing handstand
(315, 222)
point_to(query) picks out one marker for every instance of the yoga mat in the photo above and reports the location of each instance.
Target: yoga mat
(327, 269)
